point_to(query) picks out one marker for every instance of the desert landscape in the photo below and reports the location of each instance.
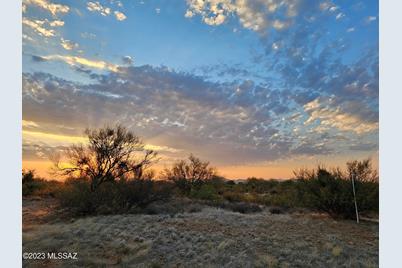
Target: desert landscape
(200, 133)
(112, 210)
(197, 236)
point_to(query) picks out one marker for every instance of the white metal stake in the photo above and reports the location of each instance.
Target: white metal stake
(354, 197)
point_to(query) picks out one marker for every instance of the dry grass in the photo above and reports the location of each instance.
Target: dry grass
(208, 238)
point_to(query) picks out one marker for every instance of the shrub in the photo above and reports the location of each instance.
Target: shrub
(28, 176)
(205, 192)
(190, 174)
(233, 196)
(32, 185)
(243, 207)
(331, 191)
(112, 197)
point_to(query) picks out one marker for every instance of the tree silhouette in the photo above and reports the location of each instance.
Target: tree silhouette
(187, 174)
(112, 153)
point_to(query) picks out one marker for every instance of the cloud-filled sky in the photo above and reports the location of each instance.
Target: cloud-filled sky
(257, 87)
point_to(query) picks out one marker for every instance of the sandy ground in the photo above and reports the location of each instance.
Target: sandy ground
(208, 238)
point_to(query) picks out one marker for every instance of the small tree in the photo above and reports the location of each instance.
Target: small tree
(190, 174)
(112, 153)
(28, 176)
(362, 171)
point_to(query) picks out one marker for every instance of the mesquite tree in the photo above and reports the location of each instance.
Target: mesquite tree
(189, 174)
(112, 153)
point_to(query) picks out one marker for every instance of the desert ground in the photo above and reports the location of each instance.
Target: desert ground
(199, 236)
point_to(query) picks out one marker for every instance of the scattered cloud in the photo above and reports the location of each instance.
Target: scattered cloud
(38, 27)
(68, 45)
(258, 15)
(370, 19)
(56, 23)
(120, 16)
(339, 16)
(105, 11)
(97, 7)
(81, 61)
(327, 115)
(128, 60)
(54, 9)
(87, 35)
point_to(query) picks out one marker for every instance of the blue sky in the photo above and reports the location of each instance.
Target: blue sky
(259, 85)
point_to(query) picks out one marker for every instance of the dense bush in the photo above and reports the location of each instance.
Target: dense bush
(205, 192)
(32, 185)
(112, 197)
(331, 191)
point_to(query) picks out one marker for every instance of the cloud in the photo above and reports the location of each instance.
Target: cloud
(97, 7)
(29, 124)
(56, 23)
(54, 9)
(38, 27)
(128, 60)
(233, 121)
(370, 19)
(256, 15)
(81, 61)
(36, 58)
(327, 115)
(120, 16)
(105, 11)
(68, 45)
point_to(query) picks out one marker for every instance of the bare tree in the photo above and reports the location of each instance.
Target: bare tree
(112, 153)
(187, 174)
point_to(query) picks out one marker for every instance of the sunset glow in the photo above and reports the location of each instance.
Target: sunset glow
(258, 88)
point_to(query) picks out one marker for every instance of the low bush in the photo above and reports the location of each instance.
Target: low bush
(242, 207)
(32, 185)
(115, 197)
(205, 192)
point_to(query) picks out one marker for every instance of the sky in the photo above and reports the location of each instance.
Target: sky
(257, 87)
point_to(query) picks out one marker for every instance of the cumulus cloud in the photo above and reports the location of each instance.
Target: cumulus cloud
(256, 15)
(97, 7)
(105, 11)
(120, 15)
(53, 8)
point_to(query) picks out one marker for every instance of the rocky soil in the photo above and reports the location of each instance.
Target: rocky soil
(205, 237)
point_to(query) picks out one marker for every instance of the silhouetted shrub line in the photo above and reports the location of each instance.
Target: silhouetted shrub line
(110, 175)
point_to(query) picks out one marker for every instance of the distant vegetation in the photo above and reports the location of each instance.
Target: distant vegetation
(112, 175)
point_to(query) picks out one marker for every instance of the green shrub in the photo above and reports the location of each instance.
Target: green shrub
(331, 191)
(232, 196)
(32, 185)
(112, 197)
(205, 192)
